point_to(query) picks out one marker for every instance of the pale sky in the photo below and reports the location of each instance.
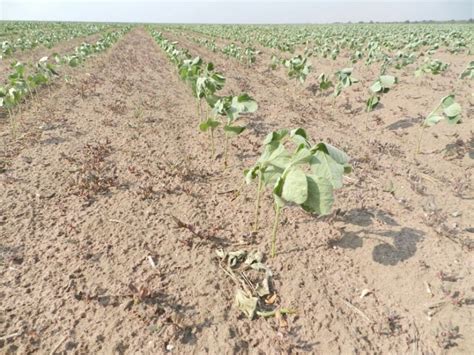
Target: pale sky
(236, 11)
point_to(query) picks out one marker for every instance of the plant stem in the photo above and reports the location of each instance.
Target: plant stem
(213, 150)
(198, 111)
(275, 229)
(226, 149)
(418, 146)
(257, 205)
(367, 120)
(268, 314)
(333, 107)
(12, 122)
(420, 136)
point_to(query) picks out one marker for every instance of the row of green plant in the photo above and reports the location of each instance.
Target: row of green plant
(22, 36)
(371, 42)
(247, 55)
(299, 67)
(205, 82)
(24, 81)
(299, 172)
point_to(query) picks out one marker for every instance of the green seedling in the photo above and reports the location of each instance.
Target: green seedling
(274, 62)
(251, 55)
(434, 67)
(381, 86)
(6, 49)
(402, 59)
(468, 72)
(344, 80)
(448, 109)
(207, 84)
(356, 56)
(324, 82)
(305, 177)
(9, 98)
(298, 68)
(43, 74)
(229, 108)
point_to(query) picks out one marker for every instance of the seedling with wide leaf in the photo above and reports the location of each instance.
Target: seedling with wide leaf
(468, 72)
(381, 86)
(229, 109)
(305, 177)
(298, 68)
(447, 110)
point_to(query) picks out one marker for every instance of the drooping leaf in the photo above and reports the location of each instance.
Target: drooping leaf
(432, 120)
(234, 130)
(453, 110)
(247, 304)
(295, 187)
(320, 195)
(208, 124)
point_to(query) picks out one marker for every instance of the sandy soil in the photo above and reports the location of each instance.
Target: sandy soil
(108, 160)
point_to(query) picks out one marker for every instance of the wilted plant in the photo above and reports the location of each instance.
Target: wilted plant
(468, 72)
(274, 62)
(298, 68)
(43, 74)
(324, 82)
(305, 177)
(381, 86)
(9, 98)
(229, 108)
(448, 109)
(251, 55)
(434, 67)
(356, 56)
(345, 79)
(206, 86)
(402, 59)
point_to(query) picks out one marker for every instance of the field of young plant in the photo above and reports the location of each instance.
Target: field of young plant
(236, 189)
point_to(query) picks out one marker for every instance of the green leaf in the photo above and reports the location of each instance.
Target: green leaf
(208, 124)
(454, 119)
(251, 174)
(388, 81)
(447, 101)
(243, 104)
(275, 136)
(320, 195)
(337, 154)
(372, 102)
(330, 163)
(301, 156)
(432, 120)
(453, 110)
(234, 130)
(295, 187)
(277, 191)
(376, 87)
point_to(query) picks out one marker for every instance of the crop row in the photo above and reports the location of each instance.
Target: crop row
(297, 171)
(299, 68)
(21, 36)
(25, 80)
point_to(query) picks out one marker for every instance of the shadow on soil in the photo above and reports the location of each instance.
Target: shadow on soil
(403, 123)
(395, 245)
